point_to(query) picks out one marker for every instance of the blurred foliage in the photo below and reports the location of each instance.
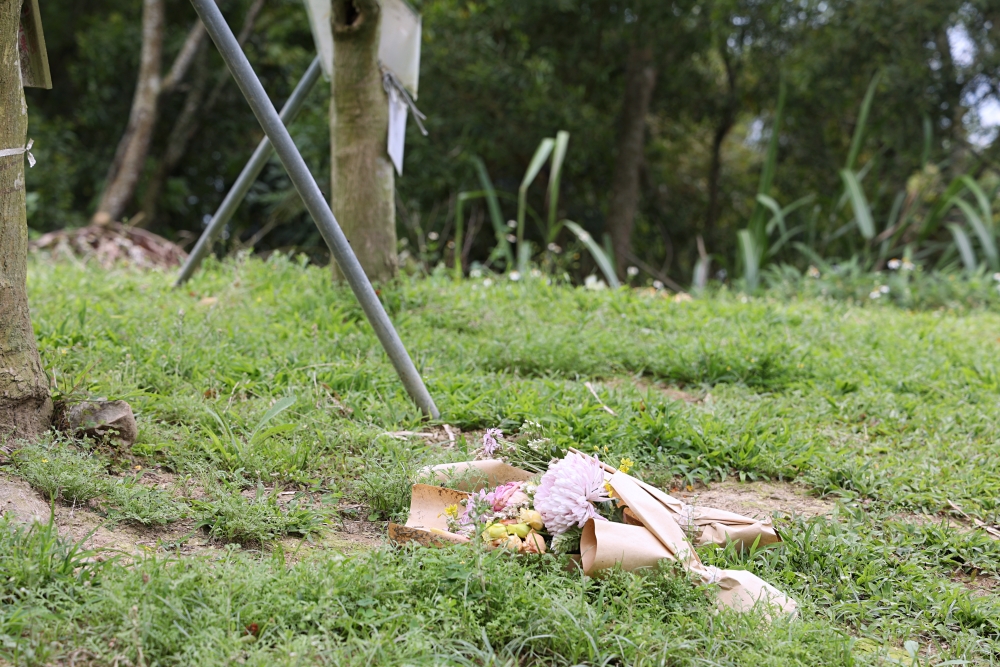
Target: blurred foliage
(497, 77)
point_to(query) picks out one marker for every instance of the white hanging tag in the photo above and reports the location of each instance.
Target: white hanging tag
(398, 110)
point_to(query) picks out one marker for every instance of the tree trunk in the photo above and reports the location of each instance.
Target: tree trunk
(134, 144)
(640, 79)
(177, 143)
(25, 406)
(196, 107)
(362, 178)
(714, 176)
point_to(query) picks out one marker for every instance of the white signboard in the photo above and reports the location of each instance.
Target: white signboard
(399, 45)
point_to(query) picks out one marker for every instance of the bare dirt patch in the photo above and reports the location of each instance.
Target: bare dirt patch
(672, 392)
(20, 502)
(759, 499)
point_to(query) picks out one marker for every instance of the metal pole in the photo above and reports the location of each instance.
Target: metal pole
(320, 211)
(247, 177)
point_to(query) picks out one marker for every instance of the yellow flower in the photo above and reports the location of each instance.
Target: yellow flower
(607, 487)
(532, 518)
(625, 465)
(45, 460)
(452, 511)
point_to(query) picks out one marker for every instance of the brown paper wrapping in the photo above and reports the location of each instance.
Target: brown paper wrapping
(607, 544)
(717, 526)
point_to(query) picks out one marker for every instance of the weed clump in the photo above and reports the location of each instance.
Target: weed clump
(228, 516)
(131, 502)
(61, 472)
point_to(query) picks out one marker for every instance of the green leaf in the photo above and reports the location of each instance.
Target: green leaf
(986, 239)
(859, 129)
(558, 155)
(985, 210)
(964, 247)
(496, 217)
(537, 161)
(603, 262)
(276, 409)
(862, 210)
(751, 259)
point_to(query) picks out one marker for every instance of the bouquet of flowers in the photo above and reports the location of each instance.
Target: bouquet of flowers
(579, 505)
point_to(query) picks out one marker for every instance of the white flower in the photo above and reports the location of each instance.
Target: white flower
(568, 491)
(554, 248)
(433, 236)
(884, 289)
(908, 265)
(512, 224)
(632, 271)
(488, 282)
(894, 264)
(535, 273)
(515, 275)
(996, 277)
(592, 282)
(812, 272)
(875, 294)
(657, 284)
(475, 273)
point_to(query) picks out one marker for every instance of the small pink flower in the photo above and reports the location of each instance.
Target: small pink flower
(500, 496)
(568, 491)
(490, 444)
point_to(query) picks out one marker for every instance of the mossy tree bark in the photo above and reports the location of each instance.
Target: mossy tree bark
(363, 192)
(25, 406)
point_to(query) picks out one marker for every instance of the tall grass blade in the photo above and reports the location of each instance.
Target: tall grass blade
(555, 175)
(964, 247)
(986, 238)
(862, 210)
(537, 161)
(751, 259)
(603, 262)
(496, 217)
(859, 130)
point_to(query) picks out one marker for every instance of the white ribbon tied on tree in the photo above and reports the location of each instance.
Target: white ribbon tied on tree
(7, 152)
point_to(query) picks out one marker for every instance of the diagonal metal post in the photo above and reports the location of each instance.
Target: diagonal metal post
(247, 177)
(313, 199)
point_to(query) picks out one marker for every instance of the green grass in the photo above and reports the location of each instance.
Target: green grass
(893, 412)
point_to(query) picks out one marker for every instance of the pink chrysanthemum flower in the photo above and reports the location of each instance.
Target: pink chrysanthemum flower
(568, 491)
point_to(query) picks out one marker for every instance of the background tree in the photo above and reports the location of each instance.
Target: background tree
(25, 406)
(363, 192)
(496, 78)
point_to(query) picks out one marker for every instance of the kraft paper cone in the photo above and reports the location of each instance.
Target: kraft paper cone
(481, 474)
(605, 544)
(427, 506)
(654, 516)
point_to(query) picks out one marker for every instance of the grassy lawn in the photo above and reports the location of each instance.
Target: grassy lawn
(891, 415)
